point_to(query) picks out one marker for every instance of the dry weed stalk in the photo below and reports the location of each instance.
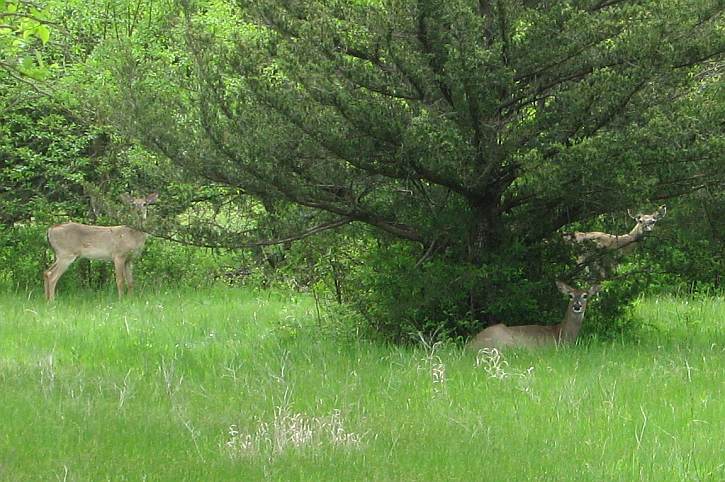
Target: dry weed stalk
(291, 430)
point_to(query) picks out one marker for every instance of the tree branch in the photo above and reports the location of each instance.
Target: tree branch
(254, 244)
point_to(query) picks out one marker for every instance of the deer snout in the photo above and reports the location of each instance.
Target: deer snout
(577, 307)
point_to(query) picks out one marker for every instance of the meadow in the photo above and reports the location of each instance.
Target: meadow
(239, 384)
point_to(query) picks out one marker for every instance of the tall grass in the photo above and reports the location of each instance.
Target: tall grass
(223, 384)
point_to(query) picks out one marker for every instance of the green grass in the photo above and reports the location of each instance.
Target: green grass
(227, 384)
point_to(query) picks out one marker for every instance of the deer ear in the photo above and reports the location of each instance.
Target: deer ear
(661, 211)
(594, 290)
(152, 198)
(124, 196)
(563, 287)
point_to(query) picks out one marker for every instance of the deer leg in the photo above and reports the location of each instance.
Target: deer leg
(46, 280)
(128, 274)
(120, 267)
(54, 273)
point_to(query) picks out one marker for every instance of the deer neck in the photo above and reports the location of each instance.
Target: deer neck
(636, 233)
(629, 239)
(135, 234)
(570, 326)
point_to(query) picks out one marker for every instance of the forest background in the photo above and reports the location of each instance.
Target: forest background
(416, 162)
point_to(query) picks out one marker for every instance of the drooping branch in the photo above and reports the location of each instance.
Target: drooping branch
(435, 62)
(248, 244)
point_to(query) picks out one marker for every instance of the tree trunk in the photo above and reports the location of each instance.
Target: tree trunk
(486, 237)
(487, 230)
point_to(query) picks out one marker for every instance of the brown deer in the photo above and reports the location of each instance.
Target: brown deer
(617, 244)
(119, 244)
(501, 336)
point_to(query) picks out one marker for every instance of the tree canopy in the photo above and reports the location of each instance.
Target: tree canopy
(462, 135)
(462, 122)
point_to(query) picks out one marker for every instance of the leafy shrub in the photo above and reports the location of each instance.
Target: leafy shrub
(400, 296)
(23, 257)
(687, 253)
(165, 263)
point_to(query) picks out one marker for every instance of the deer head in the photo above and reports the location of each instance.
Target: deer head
(141, 204)
(577, 298)
(647, 221)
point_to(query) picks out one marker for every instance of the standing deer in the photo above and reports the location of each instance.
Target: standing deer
(622, 244)
(119, 244)
(500, 336)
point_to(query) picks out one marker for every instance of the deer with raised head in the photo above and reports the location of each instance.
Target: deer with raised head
(501, 336)
(618, 244)
(118, 244)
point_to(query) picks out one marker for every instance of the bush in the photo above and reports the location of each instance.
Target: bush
(165, 263)
(23, 257)
(687, 253)
(401, 297)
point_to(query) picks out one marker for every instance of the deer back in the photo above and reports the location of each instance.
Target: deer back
(500, 336)
(95, 242)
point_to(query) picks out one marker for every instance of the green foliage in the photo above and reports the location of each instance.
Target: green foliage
(688, 254)
(167, 264)
(403, 296)
(23, 258)
(610, 315)
(45, 162)
(324, 263)
(400, 299)
(24, 29)
(470, 132)
(447, 142)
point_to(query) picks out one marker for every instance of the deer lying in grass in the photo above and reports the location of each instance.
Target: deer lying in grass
(500, 336)
(617, 244)
(119, 244)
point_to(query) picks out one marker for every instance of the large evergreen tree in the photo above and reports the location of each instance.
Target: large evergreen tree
(473, 129)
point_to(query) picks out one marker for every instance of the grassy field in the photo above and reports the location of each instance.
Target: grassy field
(237, 385)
